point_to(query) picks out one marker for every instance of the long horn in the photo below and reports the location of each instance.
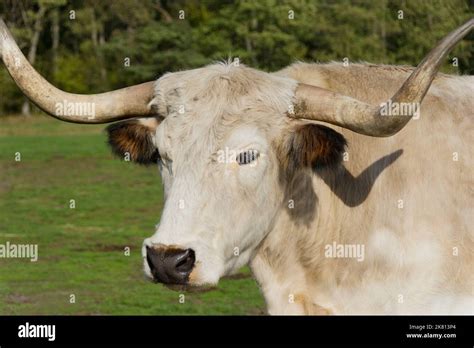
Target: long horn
(319, 104)
(101, 108)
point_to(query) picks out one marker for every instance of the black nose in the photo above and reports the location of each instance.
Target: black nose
(170, 265)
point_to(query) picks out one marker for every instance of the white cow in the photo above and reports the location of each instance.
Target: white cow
(368, 213)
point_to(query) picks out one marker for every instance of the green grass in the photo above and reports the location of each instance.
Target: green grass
(81, 250)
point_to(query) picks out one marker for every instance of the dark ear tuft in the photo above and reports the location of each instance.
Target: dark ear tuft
(135, 139)
(315, 146)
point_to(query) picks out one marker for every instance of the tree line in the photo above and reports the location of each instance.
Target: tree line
(90, 46)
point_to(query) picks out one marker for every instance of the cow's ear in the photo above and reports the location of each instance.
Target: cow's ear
(133, 140)
(313, 145)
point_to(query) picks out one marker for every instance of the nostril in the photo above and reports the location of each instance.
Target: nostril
(185, 262)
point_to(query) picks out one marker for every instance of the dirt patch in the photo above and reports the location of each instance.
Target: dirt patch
(190, 288)
(17, 298)
(103, 247)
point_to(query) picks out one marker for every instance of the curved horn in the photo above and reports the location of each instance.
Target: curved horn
(102, 108)
(319, 104)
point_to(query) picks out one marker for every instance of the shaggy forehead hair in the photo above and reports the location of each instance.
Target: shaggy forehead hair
(200, 106)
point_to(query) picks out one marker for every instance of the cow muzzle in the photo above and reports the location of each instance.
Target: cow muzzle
(170, 265)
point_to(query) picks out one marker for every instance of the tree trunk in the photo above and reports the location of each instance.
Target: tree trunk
(252, 27)
(103, 71)
(55, 39)
(165, 15)
(25, 109)
(94, 30)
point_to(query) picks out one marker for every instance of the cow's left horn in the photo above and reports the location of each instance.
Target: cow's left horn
(319, 104)
(79, 108)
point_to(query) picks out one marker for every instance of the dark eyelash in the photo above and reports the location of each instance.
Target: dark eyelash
(247, 157)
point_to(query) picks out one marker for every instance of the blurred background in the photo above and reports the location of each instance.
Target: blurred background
(95, 46)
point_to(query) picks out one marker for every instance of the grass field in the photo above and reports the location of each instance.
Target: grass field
(81, 250)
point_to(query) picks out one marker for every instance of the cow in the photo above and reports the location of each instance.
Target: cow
(311, 175)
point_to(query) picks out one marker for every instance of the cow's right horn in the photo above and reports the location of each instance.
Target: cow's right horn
(78, 108)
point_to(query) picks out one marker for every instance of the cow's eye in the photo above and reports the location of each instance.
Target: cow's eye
(247, 157)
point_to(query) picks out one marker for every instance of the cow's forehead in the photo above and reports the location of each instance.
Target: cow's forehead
(202, 107)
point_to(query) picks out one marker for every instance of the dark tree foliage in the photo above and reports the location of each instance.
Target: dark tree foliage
(91, 46)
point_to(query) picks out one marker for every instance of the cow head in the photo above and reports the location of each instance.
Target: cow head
(227, 140)
(221, 142)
